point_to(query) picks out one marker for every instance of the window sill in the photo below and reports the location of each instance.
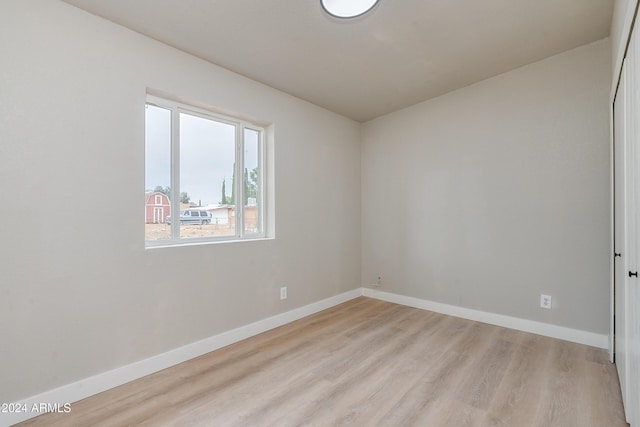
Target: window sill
(207, 242)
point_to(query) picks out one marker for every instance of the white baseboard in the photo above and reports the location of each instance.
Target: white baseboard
(539, 328)
(96, 384)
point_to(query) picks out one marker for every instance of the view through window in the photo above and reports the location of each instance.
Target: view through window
(203, 175)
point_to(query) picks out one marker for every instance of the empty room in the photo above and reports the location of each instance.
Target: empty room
(319, 212)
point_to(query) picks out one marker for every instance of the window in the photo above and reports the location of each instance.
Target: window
(211, 168)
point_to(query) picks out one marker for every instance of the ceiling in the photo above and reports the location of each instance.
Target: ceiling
(404, 52)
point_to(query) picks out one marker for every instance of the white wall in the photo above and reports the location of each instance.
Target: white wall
(79, 294)
(498, 192)
(623, 11)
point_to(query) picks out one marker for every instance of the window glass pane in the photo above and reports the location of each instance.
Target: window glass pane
(207, 157)
(251, 181)
(157, 173)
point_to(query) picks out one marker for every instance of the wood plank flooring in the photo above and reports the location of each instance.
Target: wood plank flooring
(368, 363)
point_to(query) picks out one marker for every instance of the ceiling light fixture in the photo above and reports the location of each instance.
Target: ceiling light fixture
(346, 9)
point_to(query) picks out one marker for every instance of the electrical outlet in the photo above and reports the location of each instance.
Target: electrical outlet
(378, 282)
(283, 292)
(545, 301)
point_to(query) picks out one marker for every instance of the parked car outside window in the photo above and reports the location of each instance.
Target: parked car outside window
(193, 217)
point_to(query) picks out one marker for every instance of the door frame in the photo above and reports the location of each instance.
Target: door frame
(627, 29)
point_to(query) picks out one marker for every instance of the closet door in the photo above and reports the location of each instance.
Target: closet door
(627, 230)
(632, 152)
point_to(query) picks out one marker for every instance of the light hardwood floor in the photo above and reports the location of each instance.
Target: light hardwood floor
(367, 363)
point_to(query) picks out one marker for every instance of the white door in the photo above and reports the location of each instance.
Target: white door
(158, 215)
(627, 230)
(632, 139)
(620, 257)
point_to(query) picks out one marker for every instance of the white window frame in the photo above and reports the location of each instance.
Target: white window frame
(174, 200)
